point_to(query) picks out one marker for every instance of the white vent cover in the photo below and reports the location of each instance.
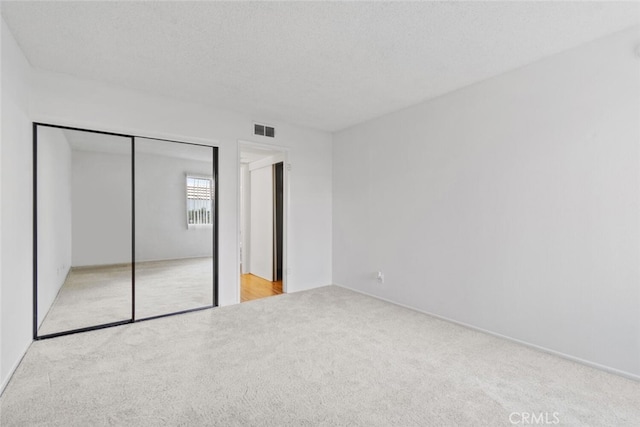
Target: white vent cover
(264, 130)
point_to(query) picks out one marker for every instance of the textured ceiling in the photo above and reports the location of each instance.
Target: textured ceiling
(103, 143)
(327, 65)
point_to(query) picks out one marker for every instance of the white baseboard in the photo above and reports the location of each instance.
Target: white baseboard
(605, 368)
(6, 381)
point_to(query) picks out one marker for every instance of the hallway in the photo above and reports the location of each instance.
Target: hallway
(253, 287)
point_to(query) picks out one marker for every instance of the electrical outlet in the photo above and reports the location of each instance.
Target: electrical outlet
(380, 277)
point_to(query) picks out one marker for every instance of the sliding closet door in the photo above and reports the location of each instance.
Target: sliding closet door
(83, 224)
(175, 220)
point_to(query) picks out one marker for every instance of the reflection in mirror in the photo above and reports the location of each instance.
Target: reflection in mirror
(84, 216)
(174, 192)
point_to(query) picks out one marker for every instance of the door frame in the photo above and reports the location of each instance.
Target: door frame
(284, 151)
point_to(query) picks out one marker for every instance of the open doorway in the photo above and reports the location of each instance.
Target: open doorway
(262, 229)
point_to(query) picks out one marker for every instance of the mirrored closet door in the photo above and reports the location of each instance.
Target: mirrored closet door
(83, 223)
(174, 232)
(125, 229)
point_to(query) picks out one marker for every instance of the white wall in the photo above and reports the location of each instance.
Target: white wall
(261, 217)
(2, 133)
(54, 215)
(161, 213)
(16, 227)
(101, 208)
(510, 205)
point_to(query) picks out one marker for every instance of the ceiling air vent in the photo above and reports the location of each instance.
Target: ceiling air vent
(264, 130)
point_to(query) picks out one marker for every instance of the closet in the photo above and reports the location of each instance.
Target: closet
(125, 229)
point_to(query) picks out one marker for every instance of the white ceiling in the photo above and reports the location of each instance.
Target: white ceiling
(174, 150)
(94, 142)
(327, 65)
(111, 144)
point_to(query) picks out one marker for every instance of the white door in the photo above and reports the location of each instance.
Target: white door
(261, 236)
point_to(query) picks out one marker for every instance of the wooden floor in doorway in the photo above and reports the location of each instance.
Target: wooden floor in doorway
(254, 287)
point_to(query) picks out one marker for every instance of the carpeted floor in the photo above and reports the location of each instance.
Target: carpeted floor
(327, 356)
(97, 295)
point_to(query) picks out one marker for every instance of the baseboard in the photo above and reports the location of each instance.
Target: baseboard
(6, 381)
(141, 261)
(598, 366)
(138, 261)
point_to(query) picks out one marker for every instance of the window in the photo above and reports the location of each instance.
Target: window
(199, 198)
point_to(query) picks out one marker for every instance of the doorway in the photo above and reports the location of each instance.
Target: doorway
(263, 221)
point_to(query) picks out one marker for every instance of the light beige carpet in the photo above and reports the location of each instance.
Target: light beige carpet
(327, 356)
(92, 296)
